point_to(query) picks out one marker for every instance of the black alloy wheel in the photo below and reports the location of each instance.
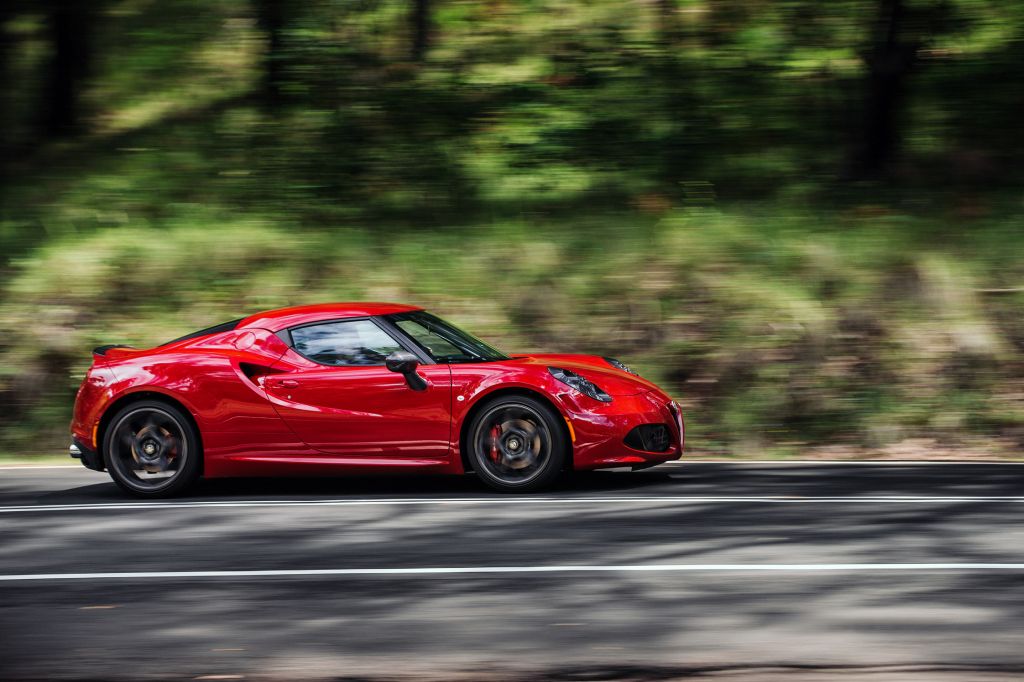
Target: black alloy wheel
(517, 444)
(151, 450)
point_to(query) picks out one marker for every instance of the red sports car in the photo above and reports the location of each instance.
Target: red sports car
(360, 387)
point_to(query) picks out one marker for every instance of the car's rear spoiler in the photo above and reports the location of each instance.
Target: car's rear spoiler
(102, 350)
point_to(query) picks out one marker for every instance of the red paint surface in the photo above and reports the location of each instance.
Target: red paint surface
(264, 410)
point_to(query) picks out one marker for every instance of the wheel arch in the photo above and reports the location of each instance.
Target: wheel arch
(490, 396)
(140, 396)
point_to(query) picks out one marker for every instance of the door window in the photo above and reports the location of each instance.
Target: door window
(442, 341)
(436, 345)
(345, 343)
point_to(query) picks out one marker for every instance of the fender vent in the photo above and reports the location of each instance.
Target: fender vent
(649, 438)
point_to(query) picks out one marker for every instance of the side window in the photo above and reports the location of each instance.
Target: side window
(354, 342)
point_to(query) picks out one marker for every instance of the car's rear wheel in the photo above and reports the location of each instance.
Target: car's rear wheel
(517, 444)
(151, 450)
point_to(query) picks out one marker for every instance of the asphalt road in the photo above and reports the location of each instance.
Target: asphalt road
(733, 572)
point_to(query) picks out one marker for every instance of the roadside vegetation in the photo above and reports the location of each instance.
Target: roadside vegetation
(817, 254)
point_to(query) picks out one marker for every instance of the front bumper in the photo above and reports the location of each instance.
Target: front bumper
(90, 458)
(601, 430)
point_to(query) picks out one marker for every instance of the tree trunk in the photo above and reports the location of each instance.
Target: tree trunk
(420, 29)
(889, 62)
(668, 26)
(271, 20)
(69, 26)
(7, 95)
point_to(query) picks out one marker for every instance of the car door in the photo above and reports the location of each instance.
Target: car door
(333, 390)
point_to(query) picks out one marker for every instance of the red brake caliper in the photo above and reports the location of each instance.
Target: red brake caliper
(495, 435)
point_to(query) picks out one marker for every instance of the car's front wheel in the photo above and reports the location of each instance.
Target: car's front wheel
(517, 444)
(151, 450)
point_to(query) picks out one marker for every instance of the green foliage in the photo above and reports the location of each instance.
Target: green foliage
(668, 182)
(771, 331)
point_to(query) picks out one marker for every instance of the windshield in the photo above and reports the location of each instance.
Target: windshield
(444, 342)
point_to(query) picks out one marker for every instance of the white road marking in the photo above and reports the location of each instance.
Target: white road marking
(4, 467)
(463, 570)
(460, 501)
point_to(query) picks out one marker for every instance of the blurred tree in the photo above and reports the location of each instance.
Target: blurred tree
(899, 33)
(70, 26)
(420, 29)
(668, 22)
(270, 16)
(6, 94)
(889, 60)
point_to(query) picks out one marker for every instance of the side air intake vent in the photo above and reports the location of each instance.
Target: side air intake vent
(254, 372)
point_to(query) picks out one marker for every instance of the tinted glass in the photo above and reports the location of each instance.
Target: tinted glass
(442, 341)
(353, 342)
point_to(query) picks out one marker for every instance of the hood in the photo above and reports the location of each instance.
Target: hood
(613, 381)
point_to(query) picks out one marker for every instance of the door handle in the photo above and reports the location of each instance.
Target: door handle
(288, 383)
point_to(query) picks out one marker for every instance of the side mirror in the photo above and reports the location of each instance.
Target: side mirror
(405, 363)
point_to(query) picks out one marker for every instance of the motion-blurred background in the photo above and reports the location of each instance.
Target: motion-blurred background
(803, 218)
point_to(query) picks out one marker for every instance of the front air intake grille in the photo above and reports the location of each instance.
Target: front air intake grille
(650, 438)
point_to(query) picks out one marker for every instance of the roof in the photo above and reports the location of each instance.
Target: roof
(282, 318)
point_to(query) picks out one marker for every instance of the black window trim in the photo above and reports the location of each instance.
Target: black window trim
(384, 325)
(406, 340)
(221, 328)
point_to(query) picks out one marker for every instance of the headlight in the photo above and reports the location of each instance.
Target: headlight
(619, 365)
(584, 386)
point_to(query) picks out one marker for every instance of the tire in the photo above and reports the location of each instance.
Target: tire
(152, 450)
(517, 444)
